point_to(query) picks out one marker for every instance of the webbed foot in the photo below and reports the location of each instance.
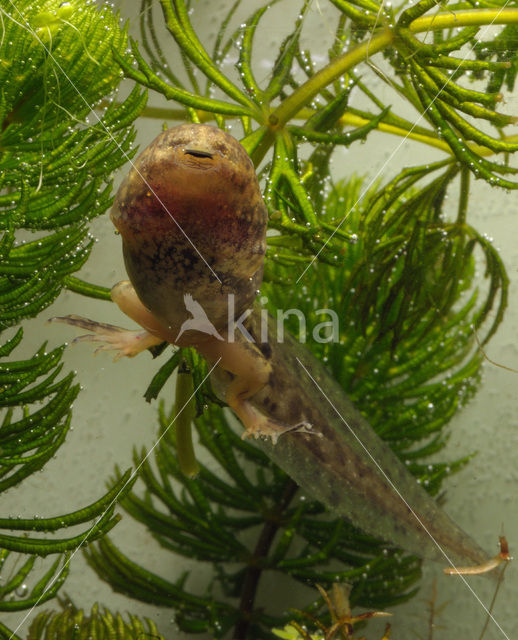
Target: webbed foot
(125, 342)
(260, 426)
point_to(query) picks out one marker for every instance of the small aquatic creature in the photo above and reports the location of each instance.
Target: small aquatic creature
(193, 228)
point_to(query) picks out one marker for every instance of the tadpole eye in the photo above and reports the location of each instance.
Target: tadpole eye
(198, 153)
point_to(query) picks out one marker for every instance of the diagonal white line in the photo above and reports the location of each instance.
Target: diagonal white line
(394, 152)
(110, 135)
(87, 534)
(396, 490)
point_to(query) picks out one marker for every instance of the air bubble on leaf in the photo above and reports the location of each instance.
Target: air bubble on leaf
(22, 590)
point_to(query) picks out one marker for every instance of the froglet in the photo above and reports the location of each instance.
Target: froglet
(193, 227)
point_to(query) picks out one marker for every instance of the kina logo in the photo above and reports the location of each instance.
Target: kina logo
(199, 321)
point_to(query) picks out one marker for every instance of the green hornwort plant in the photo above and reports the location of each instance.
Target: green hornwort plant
(53, 179)
(384, 256)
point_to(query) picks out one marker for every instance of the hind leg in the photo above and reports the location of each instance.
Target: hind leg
(251, 371)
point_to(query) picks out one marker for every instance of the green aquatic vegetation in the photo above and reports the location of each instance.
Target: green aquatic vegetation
(237, 497)
(386, 257)
(55, 163)
(55, 66)
(406, 291)
(74, 624)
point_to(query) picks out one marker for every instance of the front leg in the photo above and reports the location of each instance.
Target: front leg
(251, 371)
(125, 342)
(125, 297)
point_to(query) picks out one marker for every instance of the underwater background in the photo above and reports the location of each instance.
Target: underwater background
(110, 416)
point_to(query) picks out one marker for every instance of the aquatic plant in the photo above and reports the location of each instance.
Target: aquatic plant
(388, 257)
(99, 624)
(55, 66)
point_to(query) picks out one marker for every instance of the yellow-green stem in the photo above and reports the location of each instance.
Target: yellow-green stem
(298, 101)
(184, 414)
(350, 119)
(379, 41)
(467, 18)
(302, 96)
(463, 196)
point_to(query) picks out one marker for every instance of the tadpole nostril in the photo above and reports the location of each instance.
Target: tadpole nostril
(198, 153)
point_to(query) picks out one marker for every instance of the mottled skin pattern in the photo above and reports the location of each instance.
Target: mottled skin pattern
(193, 225)
(192, 221)
(174, 225)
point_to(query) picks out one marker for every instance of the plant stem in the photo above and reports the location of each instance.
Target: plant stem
(467, 18)
(463, 196)
(292, 106)
(256, 563)
(353, 120)
(337, 67)
(302, 96)
(184, 412)
(7, 634)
